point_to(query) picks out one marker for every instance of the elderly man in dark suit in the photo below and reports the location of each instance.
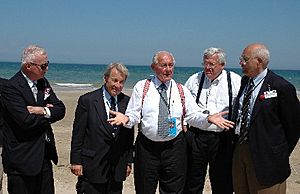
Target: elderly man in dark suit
(101, 154)
(2, 82)
(30, 106)
(266, 114)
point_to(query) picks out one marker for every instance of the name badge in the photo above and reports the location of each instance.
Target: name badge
(270, 94)
(172, 127)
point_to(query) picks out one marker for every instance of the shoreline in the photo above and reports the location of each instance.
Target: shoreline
(65, 181)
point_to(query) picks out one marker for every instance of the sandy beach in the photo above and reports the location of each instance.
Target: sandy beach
(65, 180)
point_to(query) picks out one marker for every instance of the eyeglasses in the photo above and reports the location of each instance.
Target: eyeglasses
(245, 59)
(165, 65)
(42, 66)
(209, 65)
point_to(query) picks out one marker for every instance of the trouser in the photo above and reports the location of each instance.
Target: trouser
(42, 183)
(111, 187)
(160, 162)
(1, 169)
(244, 176)
(213, 149)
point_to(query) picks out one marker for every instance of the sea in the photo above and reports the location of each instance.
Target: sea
(90, 76)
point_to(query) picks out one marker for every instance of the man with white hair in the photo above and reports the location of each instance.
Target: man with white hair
(214, 90)
(30, 107)
(160, 105)
(267, 126)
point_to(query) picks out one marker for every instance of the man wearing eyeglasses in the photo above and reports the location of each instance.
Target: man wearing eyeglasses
(214, 90)
(267, 126)
(160, 104)
(30, 106)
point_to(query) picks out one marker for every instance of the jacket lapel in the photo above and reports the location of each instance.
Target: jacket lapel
(100, 108)
(40, 95)
(258, 102)
(27, 92)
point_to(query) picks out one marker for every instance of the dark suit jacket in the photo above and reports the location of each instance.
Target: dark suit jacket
(25, 146)
(2, 82)
(274, 129)
(93, 145)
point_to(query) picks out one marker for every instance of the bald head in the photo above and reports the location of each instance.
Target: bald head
(254, 59)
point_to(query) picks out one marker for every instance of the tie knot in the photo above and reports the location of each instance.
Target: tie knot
(113, 100)
(251, 83)
(113, 103)
(162, 87)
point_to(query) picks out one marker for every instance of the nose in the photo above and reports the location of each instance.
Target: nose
(242, 62)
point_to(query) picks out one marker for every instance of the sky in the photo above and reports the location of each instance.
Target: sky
(131, 31)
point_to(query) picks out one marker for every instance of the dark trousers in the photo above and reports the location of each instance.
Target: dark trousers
(163, 162)
(42, 183)
(213, 149)
(111, 187)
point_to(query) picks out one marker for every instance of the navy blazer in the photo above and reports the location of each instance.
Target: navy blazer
(25, 146)
(2, 82)
(93, 145)
(274, 129)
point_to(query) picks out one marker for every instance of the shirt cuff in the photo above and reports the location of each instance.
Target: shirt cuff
(48, 113)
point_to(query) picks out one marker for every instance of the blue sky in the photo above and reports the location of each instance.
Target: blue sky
(130, 31)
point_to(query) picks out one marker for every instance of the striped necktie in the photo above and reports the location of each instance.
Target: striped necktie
(245, 115)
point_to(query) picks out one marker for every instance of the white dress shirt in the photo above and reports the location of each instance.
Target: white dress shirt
(31, 84)
(150, 109)
(107, 102)
(214, 95)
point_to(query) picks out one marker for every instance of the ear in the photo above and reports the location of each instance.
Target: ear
(153, 66)
(27, 66)
(259, 60)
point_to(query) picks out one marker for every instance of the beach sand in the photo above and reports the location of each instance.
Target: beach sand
(65, 181)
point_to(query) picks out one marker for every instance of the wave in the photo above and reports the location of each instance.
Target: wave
(73, 85)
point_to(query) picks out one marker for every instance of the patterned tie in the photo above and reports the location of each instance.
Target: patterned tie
(34, 91)
(245, 116)
(163, 124)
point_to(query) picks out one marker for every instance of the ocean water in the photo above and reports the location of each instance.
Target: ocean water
(83, 76)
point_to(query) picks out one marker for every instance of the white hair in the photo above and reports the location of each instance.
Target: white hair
(30, 53)
(155, 57)
(220, 52)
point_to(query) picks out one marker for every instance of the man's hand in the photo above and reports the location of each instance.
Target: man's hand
(38, 110)
(218, 120)
(128, 171)
(119, 119)
(77, 169)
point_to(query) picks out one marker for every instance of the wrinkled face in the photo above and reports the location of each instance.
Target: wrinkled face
(38, 68)
(250, 65)
(115, 82)
(212, 66)
(164, 69)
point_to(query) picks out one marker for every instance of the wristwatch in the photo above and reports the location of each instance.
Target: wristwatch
(44, 111)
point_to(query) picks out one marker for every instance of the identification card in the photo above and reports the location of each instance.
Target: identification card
(270, 94)
(172, 127)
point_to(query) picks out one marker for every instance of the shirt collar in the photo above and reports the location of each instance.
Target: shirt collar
(29, 81)
(107, 96)
(260, 76)
(157, 82)
(217, 79)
